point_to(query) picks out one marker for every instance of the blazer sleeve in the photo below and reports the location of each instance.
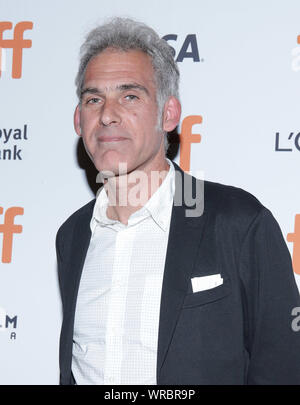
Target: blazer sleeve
(59, 256)
(271, 294)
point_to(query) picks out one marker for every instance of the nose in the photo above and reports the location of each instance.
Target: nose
(110, 114)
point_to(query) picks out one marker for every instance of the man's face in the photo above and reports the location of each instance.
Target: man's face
(118, 115)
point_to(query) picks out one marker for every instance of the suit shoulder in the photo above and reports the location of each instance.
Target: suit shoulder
(232, 209)
(224, 199)
(231, 200)
(69, 223)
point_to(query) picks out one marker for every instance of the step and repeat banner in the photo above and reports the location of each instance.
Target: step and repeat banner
(240, 125)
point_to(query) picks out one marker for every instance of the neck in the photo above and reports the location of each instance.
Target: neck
(129, 192)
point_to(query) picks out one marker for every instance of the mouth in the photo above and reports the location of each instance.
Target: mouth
(108, 139)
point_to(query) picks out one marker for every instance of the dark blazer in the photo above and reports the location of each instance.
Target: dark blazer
(237, 333)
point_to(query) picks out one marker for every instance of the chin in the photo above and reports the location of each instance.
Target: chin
(112, 169)
(112, 161)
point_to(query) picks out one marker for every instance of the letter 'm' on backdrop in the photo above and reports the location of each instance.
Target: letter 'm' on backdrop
(240, 125)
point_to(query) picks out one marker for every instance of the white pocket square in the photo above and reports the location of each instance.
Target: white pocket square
(206, 282)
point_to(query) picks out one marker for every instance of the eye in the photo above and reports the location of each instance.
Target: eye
(94, 100)
(131, 97)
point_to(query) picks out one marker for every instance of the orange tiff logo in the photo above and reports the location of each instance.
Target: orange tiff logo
(187, 138)
(8, 228)
(295, 239)
(16, 44)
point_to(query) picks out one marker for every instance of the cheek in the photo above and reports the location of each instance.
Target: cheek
(88, 121)
(144, 121)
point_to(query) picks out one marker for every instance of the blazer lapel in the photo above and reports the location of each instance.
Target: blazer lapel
(184, 239)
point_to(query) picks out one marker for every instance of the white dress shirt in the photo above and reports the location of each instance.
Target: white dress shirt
(118, 305)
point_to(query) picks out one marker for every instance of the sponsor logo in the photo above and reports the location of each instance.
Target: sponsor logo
(8, 229)
(17, 44)
(295, 239)
(187, 138)
(8, 323)
(10, 138)
(287, 143)
(188, 49)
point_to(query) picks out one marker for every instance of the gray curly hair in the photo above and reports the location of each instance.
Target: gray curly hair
(126, 34)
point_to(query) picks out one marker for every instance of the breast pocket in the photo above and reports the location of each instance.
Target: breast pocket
(204, 297)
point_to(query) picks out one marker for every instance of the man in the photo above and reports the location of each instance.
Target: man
(152, 291)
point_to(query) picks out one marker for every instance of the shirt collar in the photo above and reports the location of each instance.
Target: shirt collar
(158, 206)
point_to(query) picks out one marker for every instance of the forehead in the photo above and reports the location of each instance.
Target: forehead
(118, 65)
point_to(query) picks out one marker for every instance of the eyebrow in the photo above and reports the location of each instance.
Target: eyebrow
(121, 87)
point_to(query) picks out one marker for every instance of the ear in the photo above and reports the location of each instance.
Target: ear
(77, 120)
(171, 116)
